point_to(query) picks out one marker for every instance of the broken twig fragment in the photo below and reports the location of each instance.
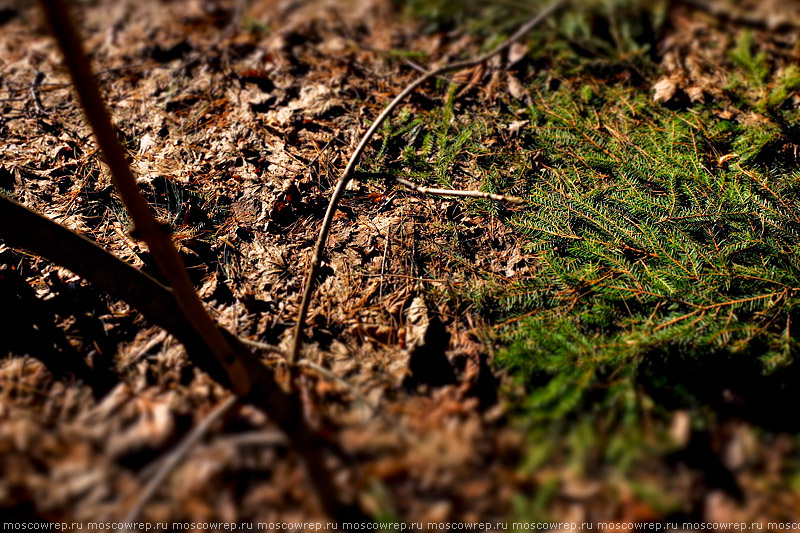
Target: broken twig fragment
(176, 456)
(464, 194)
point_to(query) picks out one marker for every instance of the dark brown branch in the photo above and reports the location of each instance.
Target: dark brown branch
(22, 228)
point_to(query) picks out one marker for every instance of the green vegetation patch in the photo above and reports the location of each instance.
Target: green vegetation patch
(655, 239)
(665, 237)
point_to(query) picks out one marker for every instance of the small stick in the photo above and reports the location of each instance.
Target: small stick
(171, 461)
(267, 437)
(347, 174)
(319, 369)
(465, 194)
(37, 102)
(388, 239)
(263, 346)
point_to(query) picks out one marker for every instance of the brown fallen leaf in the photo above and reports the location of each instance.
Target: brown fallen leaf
(517, 90)
(665, 89)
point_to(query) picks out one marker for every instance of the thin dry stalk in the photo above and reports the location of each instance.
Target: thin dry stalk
(347, 174)
(264, 347)
(176, 456)
(37, 102)
(321, 370)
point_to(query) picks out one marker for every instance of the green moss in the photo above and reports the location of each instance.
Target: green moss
(754, 65)
(587, 93)
(788, 82)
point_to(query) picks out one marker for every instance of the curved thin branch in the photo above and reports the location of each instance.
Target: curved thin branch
(347, 174)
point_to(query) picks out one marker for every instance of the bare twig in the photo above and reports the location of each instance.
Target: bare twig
(171, 461)
(451, 192)
(347, 174)
(263, 346)
(34, 90)
(321, 370)
(267, 437)
(387, 240)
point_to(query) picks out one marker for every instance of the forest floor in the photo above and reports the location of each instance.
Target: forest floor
(617, 348)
